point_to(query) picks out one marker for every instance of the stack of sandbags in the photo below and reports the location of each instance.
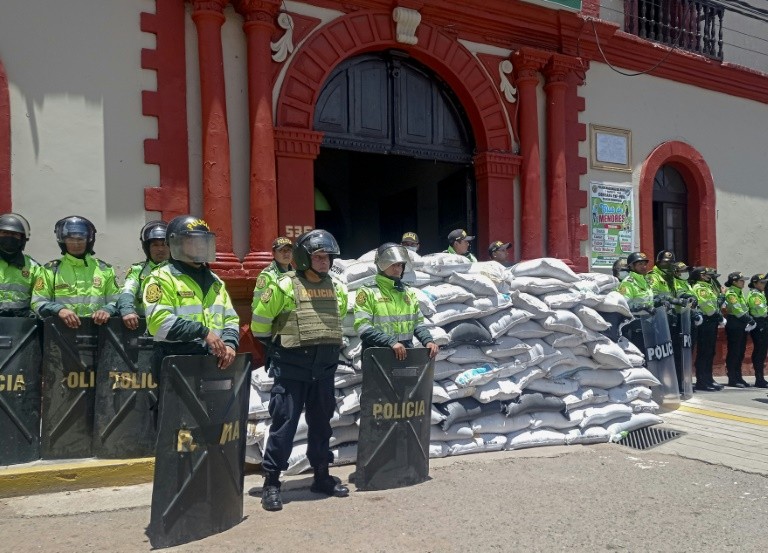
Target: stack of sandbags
(525, 357)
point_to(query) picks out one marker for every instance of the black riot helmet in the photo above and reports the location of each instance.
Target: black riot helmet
(13, 222)
(696, 274)
(390, 253)
(191, 240)
(154, 230)
(620, 268)
(634, 257)
(664, 260)
(75, 226)
(314, 241)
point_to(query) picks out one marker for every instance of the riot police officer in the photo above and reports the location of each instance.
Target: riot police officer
(739, 323)
(78, 284)
(388, 315)
(18, 271)
(707, 296)
(758, 311)
(298, 319)
(661, 277)
(639, 296)
(620, 269)
(458, 244)
(188, 309)
(129, 303)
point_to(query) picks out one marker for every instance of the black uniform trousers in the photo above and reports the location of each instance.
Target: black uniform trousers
(705, 349)
(287, 399)
(737, 346)
(759, 348)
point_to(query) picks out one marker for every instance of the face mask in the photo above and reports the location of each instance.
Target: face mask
(11, 244)
(682, 276)
(623, 274)
(411, 248)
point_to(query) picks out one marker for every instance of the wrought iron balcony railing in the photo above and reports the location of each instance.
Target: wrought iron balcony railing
(691, 25)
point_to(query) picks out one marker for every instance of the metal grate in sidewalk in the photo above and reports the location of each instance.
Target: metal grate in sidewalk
(649, 437)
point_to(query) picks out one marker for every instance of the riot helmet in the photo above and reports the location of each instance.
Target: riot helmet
(154, 230)
(620, 268)
(191, 240)
(636, 257)
(664, 260)
(697, 273)
(390, 253)
(314, 241)
(681, 270)
(13, 222)
(75, 226)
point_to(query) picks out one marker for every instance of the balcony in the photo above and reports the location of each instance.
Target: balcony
(690, 25)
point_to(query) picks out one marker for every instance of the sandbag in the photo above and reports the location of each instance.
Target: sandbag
(529, 402)
(546, 267)
(467, 409)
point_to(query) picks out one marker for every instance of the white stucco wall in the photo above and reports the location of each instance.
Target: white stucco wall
(728, 132)
(75, 82)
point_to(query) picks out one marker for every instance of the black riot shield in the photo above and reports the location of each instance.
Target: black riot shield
(69, 388)
(395, 405)
(686, 363)
(200, 454)
(660, 359)
(126, 393)
(20, 358)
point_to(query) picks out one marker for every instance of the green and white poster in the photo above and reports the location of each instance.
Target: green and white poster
(612, 228)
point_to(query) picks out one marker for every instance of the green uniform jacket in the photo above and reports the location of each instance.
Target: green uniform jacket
(756, 303)
(385, 315)
(637, 290)
(267, 276)
(177, 312)
(707, 297)
(735, 303)
(662, 285)
(82, 285)
(130, 300)
(303, 363)
(468, 255)
(16, 282)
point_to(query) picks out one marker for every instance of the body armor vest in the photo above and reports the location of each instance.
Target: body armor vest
(315, 321)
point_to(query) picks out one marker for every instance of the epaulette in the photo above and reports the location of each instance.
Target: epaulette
(32, 261)
(103, 265)
(53, 264)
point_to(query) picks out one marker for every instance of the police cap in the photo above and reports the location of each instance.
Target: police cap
(498, 245)
(410, 237)
(459, 234)
(734, 277)
(281, 241)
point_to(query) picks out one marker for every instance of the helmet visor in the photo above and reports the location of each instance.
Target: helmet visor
(390, 256)
(74, 229)
(194, 247)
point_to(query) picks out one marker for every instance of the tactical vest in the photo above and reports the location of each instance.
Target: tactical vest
(315, 321)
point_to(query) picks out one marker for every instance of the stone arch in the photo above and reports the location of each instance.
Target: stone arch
(702, 239)
(367, 31)
(5, 143)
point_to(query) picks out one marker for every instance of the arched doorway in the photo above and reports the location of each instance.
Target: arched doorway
(670, 212)
(396, 155)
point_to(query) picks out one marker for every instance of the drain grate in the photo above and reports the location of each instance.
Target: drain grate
(649, 437)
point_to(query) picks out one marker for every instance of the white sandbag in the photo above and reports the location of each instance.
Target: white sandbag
(420, 278)
(613, 302)
(479, 285)
(437, 450)
(436, 416)
(597, 378)
(451, 312)
(446, 369)
(591, 318)
(261, 380)
(551, 419)
(255, 431)
(533, 305)
(609, 355)
(562, 371)
(466, 354)
(357, 271)
(584, 397)
(562, 358)
(455, 391)
(463, 447)
(592, 336)
(547, 267)
(627, 393)
(460, 431)
(594, 435)
(537, 285)
(339, 266)
(440, 336)
(475, 376)
(501, 322)
(527, 330)
(599, 415)
(538, 352)
(534, 438)
(492, 269)
(444, 264)
(439, 395)
(643, 406)
(491, 304)
(500, 424)
(525, 377)
(367, 257)
(446, 293)
(353, 347)
(369, 281)
(628, 346)
(258, 404)
(253, 454)
(638, 420)
(344, 434)
(426, 305)
(639, 376)
(348, 325)
(506, 346)
(350, 403)
(562, 300)
(604, 281)
(585, 362)
(565, 321)
(554, 387)
(499, 389)
(442, 354)
(563, 340)
(492, 442)
(345, 380)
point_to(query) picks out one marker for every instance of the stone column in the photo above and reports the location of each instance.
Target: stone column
(495, 174)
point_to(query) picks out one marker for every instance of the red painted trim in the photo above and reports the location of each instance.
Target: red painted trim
(495, 175)
(6, 203)
(702, 238)
(590, 8)
(169, 104)
(576, 166)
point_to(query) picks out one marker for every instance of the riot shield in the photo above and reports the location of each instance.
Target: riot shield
(200, 454)
(20, 358)
(69, 388)
(395, 404)
(660, 359)
(686, 362)
(126, 393)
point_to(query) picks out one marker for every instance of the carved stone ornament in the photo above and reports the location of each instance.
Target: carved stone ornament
(510, 92)
(407, 21)
(284, 45)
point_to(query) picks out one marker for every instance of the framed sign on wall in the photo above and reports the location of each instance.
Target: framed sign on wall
(610, 148)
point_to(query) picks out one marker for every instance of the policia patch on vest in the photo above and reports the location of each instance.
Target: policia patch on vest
(39, 284)
(153, 293)
(266, 295)
(360, 299)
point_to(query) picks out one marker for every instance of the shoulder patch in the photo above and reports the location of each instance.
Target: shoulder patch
(407, 299)
(266, 295)
(39, 284)
(360, 298)
(732, 299)
(53, 264)
(261, 282)
(153, 293)
(96, 282)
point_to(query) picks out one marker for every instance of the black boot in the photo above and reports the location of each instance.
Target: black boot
(325, 483)
(760, 381)
(270, 494)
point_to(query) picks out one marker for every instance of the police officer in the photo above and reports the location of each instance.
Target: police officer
(639, 296)
(282, 255)
(683, 297)
(498, 251)
(739, 323)
(298, 319)
(129, 303)
(620, 269)
(661, 277)
(78, 284)
(410, 241)
(388, 316)
(758, 311)
(18, 272)
(700, 279)
(458, 244)
(188, 309)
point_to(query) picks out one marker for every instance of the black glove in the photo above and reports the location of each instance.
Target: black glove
(721, 301)
(697, 318)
